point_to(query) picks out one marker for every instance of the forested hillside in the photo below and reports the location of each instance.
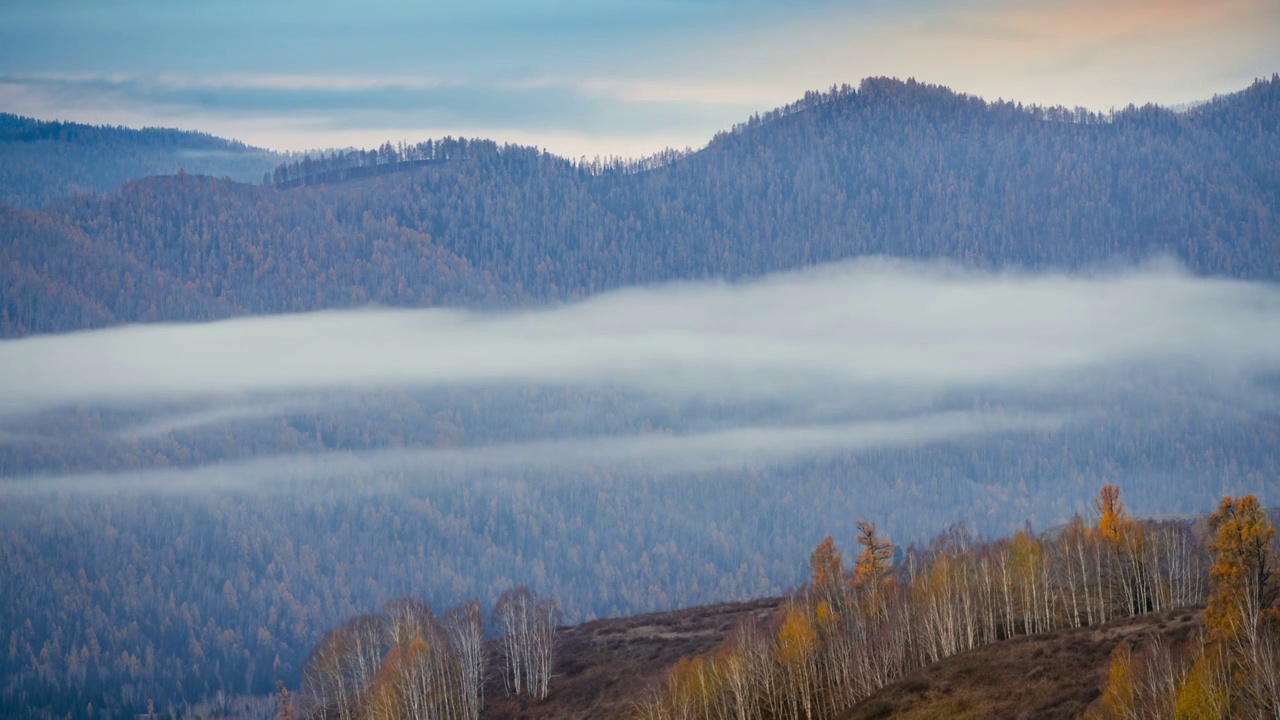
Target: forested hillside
(41, 161)
(615, 397)
(829, 648)
(832, 647)
(893, 168)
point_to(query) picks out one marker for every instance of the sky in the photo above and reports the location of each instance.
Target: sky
(592, 77)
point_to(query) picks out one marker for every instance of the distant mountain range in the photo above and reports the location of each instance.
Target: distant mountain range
(42, 161)
(179, 534)
(890, 167)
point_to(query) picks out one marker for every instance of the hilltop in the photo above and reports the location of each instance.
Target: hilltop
(42, 161)
(606, 667)
(285, 511)
(889, 168)
(1056, 675)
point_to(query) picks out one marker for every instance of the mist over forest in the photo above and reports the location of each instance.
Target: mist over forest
(233, 414)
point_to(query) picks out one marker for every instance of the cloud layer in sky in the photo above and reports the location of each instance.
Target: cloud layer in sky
(615, 76)
(872, 353)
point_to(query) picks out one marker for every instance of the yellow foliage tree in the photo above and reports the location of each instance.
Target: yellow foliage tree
(824, 616)
(1242, 580)
(385, 699)
(1204, 695)
(827, 565)
(1121, 692)
(797, 638)
(876, 558)
(1113, 519)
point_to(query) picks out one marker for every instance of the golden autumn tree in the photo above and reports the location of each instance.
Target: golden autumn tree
(1243, 622)
(1113, 519)
(1027, 558)
(1126, 541)
(827, 565)
(1121, 692)
(1243, 585)
(385, 698)
(284, 710)
(797, 638)
(1203, 695)
(796, 650)
(876, 557)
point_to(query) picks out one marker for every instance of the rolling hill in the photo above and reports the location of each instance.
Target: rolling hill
(179, 547)
(42, 161)
(889, 168)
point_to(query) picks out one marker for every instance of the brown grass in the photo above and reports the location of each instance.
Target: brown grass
(603, 667)
(1055, 675)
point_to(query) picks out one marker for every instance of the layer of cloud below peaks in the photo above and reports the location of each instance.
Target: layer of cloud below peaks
(842, 357)
(863, 324)
(653, 455)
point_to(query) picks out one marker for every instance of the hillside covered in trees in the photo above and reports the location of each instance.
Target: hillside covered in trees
(42, 161)
(841, 640)
(828, 649)
(636, 411)
(889, 168)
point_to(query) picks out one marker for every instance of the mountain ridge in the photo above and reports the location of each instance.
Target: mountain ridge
(134, 464)
(44, 161)
(895, 169)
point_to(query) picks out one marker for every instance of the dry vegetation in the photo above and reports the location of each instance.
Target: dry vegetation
(1052, 675)
(1027, 627)
(603, 667)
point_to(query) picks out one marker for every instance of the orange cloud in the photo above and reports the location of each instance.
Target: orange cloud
(1096, 53)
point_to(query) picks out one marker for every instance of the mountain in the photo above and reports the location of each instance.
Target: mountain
(1055, 675)
(1080, 622)
(43, 161)
(187, 529)
(607, 666)
(890, 168)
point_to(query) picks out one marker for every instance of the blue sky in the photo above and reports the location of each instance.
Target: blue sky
(602, 77)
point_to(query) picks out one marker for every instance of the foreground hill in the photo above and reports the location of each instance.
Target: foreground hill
(606, 667)
(160, 552)
(1093, 621)
(43, 161)
(1053, 675)
(896, 168)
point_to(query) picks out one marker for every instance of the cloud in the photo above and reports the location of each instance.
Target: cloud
(653, 455)
(596, 78)
(867, 322)
(302, 111)
(872, 353)
(854, 326)
(218, 415)
(1090, 53)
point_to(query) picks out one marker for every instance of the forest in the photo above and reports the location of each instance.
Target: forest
(892, 168)
(833, 642)
(162, 550)
(42, 161)
(845, 635)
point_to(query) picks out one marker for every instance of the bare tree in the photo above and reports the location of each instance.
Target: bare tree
(526, 627)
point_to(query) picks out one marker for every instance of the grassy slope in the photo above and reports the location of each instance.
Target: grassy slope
(605, 666)
(1054, 675)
